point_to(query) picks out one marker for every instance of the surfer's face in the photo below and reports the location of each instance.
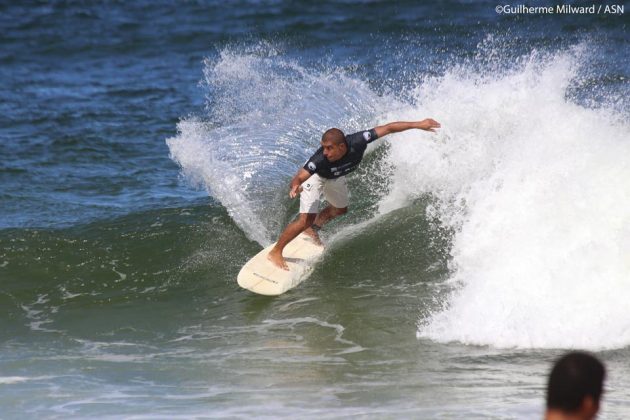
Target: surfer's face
(333, 151)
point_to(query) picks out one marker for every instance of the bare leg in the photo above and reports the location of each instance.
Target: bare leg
(323, 217)
(292, 230)
(314, 235)
(328, 214)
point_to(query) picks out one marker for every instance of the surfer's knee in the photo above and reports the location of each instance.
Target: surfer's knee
(341, 211)
(306, 219)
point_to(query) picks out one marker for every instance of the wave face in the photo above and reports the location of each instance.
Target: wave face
(536, 191)
(527, 180)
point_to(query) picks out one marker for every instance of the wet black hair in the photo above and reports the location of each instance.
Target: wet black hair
(335, 135)
(575, 376)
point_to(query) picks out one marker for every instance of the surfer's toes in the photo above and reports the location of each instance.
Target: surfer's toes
(278, 261)
(283, 265)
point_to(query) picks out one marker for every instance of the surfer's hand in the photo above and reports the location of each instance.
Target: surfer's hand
(428, 124)
(295, 191)
(296, 182)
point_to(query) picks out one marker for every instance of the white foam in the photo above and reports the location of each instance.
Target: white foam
(39, 317)
(13, 379)
(338, 328)
(537, 191)
(9, 380)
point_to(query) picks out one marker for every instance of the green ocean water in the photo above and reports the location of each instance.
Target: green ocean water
(97, 323)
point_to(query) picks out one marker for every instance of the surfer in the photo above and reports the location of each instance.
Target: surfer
(325, 173)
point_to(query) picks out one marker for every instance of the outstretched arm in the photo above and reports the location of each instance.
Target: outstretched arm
(398, 126)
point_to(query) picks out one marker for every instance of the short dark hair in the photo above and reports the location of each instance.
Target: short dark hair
(335, 135)
(575, 376)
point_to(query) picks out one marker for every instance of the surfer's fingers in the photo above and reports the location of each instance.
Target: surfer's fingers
(294, 192)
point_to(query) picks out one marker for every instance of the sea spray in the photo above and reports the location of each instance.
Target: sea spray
(265, 116)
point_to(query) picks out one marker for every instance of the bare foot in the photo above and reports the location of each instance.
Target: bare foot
(314, 236)
(276, 258)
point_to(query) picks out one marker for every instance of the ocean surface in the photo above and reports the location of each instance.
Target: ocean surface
(145, 153)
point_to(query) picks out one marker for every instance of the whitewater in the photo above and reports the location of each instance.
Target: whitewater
(531, 184)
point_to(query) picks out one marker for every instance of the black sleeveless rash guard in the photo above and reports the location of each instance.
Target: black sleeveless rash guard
(357, 143)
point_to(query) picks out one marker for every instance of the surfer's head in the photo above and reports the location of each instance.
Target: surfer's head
(334, 144)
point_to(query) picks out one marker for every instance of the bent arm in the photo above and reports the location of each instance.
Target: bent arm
(398, 126)
(301, 176)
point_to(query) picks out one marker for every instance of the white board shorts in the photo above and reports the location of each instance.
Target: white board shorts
(335, 192)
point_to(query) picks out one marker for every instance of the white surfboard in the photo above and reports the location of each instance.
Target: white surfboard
(261, 276)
